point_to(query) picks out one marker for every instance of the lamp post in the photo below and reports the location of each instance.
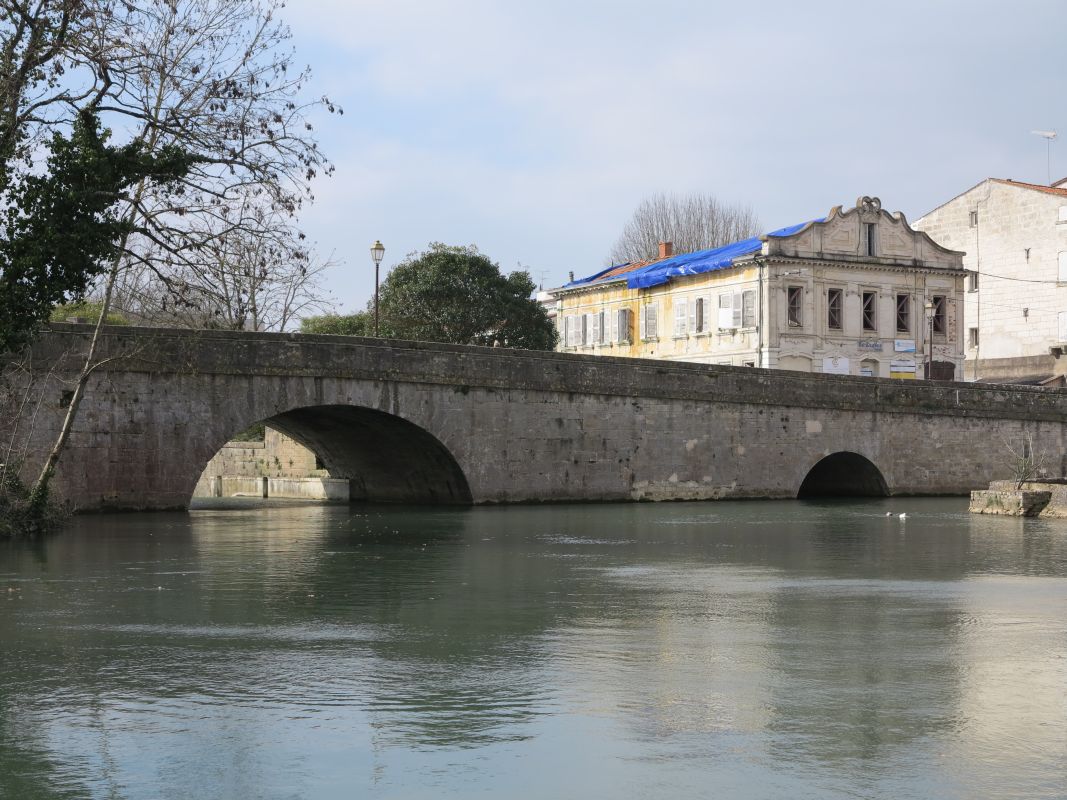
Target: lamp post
(929, 306)
(377, 252)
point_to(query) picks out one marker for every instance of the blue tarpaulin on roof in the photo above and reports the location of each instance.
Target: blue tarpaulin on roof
(693, 263)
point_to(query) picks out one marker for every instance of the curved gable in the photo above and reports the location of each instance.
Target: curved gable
(842, 235)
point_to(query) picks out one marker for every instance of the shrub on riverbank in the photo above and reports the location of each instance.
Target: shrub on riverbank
(21, 514)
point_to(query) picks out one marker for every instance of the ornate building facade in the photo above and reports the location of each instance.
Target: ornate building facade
(857, 292)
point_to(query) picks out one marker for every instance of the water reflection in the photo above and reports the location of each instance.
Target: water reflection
(759, 648)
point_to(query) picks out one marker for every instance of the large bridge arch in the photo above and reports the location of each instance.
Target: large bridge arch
(385, 457)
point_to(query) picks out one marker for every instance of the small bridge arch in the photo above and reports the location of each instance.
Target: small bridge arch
(844, 474)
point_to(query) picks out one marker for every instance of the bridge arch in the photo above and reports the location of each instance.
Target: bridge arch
(844, 474)
(385, 458)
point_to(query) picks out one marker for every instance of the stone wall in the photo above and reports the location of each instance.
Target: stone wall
(277, 456)
(417, 422)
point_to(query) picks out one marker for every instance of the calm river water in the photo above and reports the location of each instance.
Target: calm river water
(758, 649)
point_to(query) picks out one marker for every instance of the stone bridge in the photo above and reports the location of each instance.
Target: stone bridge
(417, 422)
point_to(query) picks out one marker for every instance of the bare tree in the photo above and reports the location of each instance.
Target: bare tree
(1025, 463)
(692, 222)
(260, 279)
(216, 79)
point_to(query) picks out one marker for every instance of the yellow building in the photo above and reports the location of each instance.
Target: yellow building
(857, 292)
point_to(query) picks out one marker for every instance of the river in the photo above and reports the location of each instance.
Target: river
(731, 649)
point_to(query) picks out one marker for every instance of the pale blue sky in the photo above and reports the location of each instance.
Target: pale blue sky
(533, 129)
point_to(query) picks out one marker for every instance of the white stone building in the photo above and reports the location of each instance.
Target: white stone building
(857, 292)
(1015, 238)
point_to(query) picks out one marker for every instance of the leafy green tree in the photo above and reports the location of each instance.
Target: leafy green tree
(60, 227)
(458, 295)
(359, 324)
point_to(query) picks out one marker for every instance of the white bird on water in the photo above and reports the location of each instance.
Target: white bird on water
(902, 517)
(889, 513)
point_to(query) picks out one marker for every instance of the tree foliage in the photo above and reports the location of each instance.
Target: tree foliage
(359, 324)
(458, 295)
(61, 227)
(692, 222)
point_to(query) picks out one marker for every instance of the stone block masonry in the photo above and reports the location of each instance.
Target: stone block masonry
(417, 422)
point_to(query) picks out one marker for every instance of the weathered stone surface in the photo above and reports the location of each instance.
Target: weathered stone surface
(1009, 502)
(410, 421)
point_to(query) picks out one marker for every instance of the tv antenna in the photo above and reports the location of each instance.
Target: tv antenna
(1048, 136)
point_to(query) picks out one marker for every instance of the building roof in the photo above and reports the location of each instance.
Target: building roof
(642, 274)
(1055, 189)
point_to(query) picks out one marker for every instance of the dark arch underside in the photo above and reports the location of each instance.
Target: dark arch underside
(844, 475)
(385, 458)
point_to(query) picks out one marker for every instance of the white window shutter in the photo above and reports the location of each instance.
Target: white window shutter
(652, 323)
(738, 308)
(748, 313)
(642, 322)
(679, 316)
(693, 303)
(726, 310)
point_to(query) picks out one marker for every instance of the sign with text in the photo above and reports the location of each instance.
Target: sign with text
(904, 345)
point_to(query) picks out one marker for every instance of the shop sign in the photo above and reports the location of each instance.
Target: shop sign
(904, 345)
(835, 365)
(870, 344)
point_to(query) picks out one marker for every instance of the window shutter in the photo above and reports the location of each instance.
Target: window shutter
(737, 309)
(626, 325)
(652, 323)
(585, 329)
(748, 314)
(679, 316)
(694, 304)
(726, 310)
(598, 327)
(642, 322)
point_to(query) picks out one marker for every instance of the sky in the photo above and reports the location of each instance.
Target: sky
(533, 130)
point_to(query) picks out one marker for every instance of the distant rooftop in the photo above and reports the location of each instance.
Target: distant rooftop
(642, 274)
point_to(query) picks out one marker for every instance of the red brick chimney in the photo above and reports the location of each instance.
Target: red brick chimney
(666, 249)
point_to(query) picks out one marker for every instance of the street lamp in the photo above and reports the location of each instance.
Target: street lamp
(377, 252)
(929, 306)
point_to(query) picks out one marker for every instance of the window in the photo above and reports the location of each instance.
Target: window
(748, 309)
(974, 219)
(1063, 214)
(794, 310)
(870, 311)
(972, 338)
(726, 311)
(680, 316)
(939, 321)
(833, 309)
(650, 321)
(620, 326)
(869, 230)
(903, 313)
(697, 323)
(972, 278)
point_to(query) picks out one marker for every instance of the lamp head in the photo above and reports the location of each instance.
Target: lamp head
(377, 252)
